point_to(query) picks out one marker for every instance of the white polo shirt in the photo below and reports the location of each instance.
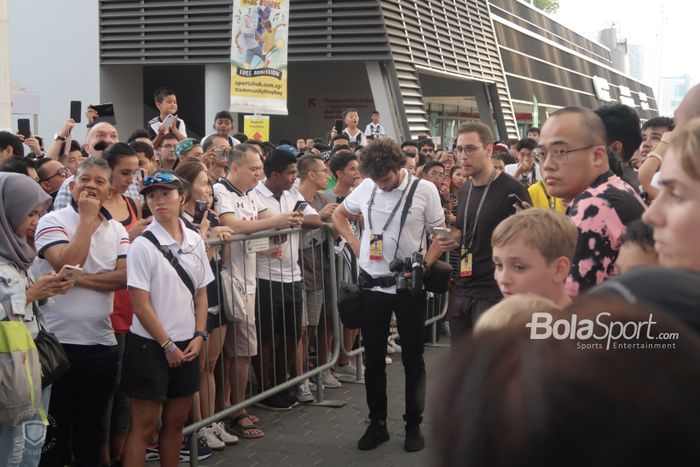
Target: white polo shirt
(425, 213)
(81, 316)
(245, 207)
(147, 269)
(286, 270)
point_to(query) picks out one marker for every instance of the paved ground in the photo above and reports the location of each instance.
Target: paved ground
(321, 436)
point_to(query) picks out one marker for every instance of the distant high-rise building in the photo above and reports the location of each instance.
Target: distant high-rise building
(637, 61)
(671, 92)
(618, 48)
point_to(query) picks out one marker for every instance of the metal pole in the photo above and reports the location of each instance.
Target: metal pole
(5, 100)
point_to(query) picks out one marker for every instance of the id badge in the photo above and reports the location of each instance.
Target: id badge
(465, 263)
(375, 247)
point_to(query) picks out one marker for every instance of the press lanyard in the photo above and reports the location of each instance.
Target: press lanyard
(396, 207)
(478, 210)
(551, 200)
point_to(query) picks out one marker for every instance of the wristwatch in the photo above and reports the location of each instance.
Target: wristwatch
(58, 137)
(203, 334)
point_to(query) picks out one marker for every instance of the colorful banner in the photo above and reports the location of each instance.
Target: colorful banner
(257, 127)
(259, 56)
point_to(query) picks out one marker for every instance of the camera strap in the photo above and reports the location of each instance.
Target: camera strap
(186, 279)
(404, 213)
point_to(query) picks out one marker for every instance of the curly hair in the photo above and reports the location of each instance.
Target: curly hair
(380, 158)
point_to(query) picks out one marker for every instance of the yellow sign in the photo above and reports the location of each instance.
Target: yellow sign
(259, 56)
(257, 127)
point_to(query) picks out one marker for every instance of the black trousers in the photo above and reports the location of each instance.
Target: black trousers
(463, 312)
(376, 308)
(78, 401)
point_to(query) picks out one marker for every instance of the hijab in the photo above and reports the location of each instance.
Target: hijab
(19, 196)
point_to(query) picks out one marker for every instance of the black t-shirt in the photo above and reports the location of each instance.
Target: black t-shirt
(497, 206)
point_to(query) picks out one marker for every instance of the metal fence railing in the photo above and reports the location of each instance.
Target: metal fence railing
(292, 276)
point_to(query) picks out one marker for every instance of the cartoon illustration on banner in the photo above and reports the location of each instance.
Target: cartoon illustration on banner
(259, 56)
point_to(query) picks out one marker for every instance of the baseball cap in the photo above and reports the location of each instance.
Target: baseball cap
(184, 146)
(288, 148)
(161, 179)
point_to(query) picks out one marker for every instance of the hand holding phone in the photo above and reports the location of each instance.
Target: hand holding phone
(300, 206)
(75, 111)
(441, 231)
(23, 127)
(70, 273)
(338, 126)
(200, 209)
(168, 122)
(517, 202)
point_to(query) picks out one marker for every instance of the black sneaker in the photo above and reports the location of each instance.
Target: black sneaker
(375, 435)
(414, 439)
(275, 402)
(290, 396)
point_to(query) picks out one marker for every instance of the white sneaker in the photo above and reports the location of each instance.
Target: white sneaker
(207, 433)
(388, 360)
(330, 381)
(347, 369)
(227, 438)
(303, 393)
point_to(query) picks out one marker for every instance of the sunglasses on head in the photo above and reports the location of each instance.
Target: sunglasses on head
(161, 177)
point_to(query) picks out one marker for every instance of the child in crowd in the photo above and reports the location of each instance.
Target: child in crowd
(637, 248)
(532, 252)
(351, 119)
(223, 126)
(166, 103)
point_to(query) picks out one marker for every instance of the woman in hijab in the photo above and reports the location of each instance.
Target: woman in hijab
(22, 202)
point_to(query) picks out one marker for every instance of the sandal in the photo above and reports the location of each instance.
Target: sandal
(244, 431)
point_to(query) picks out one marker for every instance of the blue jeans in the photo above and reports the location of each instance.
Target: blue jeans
(21, 445)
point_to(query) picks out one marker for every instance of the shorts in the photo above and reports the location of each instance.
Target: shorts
(146, 374)
(241, 336)
(280, 309)
(216, 319)
(314, 306)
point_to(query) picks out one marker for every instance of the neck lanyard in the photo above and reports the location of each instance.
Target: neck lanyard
(551, 200)
(393, 212)
(478, 210)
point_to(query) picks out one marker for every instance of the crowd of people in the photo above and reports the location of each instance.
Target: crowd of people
(108, 246)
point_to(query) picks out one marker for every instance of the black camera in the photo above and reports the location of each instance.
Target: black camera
(414, 265)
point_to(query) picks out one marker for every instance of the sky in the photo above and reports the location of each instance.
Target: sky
(665, 29)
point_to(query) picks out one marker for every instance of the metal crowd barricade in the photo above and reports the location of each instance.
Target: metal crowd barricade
(262, 243)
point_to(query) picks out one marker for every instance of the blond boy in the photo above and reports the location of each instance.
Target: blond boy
(532, 252)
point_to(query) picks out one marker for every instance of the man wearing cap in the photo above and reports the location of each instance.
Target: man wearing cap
(188, 147)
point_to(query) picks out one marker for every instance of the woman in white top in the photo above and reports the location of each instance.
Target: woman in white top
(161, 364)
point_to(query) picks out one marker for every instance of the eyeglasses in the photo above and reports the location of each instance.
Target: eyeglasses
(559, 153)
(168, 146)
(160, 177)
(63, 172)
(469, 150)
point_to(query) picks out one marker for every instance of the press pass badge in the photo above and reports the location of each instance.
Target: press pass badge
(465, 263)
(375, 247)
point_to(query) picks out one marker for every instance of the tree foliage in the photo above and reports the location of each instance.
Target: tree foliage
(550, 6)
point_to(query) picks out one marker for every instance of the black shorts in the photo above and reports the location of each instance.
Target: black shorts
(279, 309)
(146, 374)
(216, 320)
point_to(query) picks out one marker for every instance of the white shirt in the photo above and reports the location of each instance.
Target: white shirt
(656, 180)
(374, 130)
(245, 207)
(155, 123)
(286, 270)
(425, 213)
(147, 269)
(81, 316)
(358, 137)
(511, 168)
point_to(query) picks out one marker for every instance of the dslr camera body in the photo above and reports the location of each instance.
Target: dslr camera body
(414, 265)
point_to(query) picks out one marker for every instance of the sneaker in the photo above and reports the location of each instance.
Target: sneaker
(203, 451)
(207, 433)
(312, 384)
(375, 435)
(414, 439)
(388, 360)
(303, 393)
(274, 402)
(290, 396)
(390, 348)
(152, 453)
(347, 369)
(330, 381)
(220, 431)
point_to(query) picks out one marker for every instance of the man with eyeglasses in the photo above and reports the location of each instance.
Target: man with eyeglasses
(166, 151)
(483, 203)
(575, 168)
